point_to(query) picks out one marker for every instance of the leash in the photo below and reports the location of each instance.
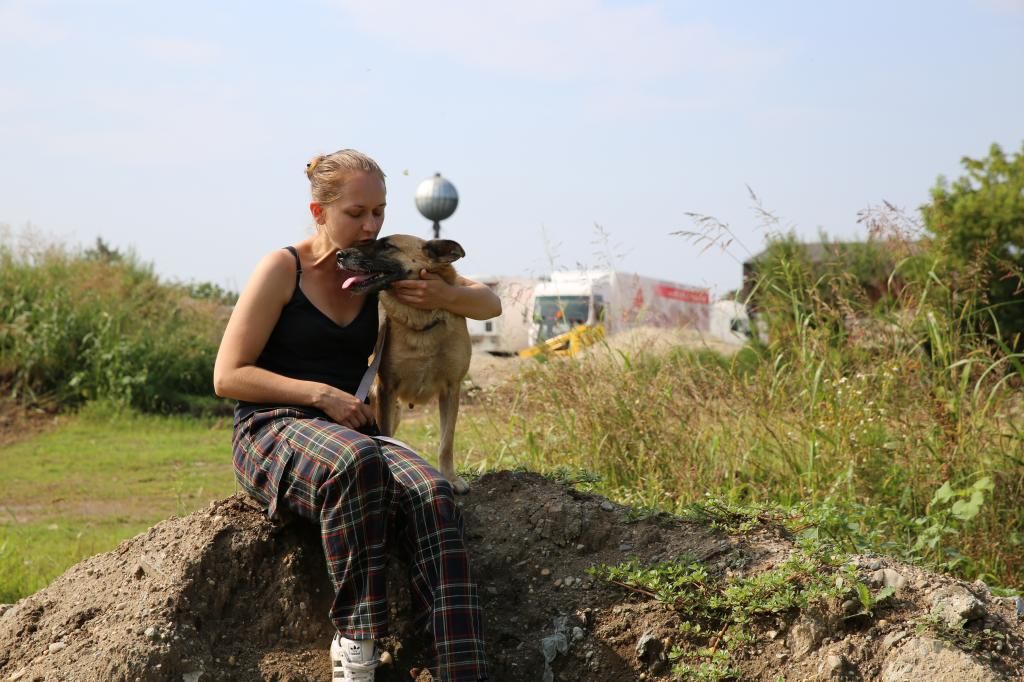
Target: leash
(371, 371)
(367, 381)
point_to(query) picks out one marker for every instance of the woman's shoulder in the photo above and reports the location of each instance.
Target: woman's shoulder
(279, 262)
(274, 276)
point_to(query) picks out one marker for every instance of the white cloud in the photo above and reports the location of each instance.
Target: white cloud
(1005, 6)
(190, 123)
(181, 50)
(627, 104)
(565, 40)
(19, 22)
(11, 99)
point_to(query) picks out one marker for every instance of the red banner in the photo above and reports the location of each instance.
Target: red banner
(677, 294)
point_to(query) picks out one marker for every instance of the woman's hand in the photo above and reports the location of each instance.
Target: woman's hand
(427, 293)
(344, 408)
(466, 297)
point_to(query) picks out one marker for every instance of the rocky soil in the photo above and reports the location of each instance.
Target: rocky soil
(224, 594)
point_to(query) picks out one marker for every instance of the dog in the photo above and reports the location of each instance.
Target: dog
(426, 352)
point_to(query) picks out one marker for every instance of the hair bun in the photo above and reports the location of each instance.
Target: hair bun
(311, 166)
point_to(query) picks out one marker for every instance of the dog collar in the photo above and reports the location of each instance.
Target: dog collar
(428, 327)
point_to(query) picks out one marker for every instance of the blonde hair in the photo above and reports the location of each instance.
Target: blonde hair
(327, 173)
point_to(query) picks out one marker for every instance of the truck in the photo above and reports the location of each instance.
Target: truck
(507, 334)
(614, 301)
(730, 322)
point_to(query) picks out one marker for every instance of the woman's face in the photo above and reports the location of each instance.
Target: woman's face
(357, 215)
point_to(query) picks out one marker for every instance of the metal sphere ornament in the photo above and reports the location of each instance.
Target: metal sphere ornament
(436, 199)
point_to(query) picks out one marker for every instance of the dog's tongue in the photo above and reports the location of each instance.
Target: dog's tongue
(354, 279)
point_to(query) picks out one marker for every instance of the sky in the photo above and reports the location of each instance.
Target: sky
(578, 133)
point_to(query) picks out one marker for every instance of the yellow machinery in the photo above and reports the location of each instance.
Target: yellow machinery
(569, 343)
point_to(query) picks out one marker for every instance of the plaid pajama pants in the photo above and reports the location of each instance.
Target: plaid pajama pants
(364, 495)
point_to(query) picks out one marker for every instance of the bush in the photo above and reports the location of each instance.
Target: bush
(99, 325)
(978, 225)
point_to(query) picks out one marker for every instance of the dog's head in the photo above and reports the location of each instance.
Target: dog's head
(375, 265)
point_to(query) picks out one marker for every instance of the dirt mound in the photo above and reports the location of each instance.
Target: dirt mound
(658, 341)
(487, 371)
(224, 594)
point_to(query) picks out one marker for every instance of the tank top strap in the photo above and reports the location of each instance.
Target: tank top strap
(298, 263)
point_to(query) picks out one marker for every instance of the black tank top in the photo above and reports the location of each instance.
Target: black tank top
(306, 344)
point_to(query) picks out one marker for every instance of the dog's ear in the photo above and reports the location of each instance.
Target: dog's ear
(443, 250)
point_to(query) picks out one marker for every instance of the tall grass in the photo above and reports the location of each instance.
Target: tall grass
(89, 325)
(898, 421)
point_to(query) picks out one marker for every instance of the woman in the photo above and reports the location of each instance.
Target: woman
(293, 354)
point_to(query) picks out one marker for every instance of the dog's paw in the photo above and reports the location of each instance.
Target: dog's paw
(459, 484)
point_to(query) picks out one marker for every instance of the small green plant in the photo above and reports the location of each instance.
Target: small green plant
(741, 519)
(706, 664)
(949, 511)
(578, 477)
(869, 602)
(985, 639)
(718, 614)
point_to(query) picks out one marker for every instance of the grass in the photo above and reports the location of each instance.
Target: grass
(900, 422)
(33, 554)
(97, 479)
(474, 446)
(883, 462)
(104, 475)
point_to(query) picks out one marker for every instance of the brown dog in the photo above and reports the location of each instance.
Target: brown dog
(426, 352)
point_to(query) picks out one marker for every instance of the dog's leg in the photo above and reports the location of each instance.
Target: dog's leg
(448, 402)
(384, 409)
(396, 415)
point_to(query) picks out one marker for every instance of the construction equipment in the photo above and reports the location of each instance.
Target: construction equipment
(569, 343)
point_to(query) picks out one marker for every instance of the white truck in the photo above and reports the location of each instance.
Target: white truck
(508, 333)
(617, 301)
(730, 321)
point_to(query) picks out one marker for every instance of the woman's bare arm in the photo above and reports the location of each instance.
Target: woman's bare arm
(235, 374)
(466, 297)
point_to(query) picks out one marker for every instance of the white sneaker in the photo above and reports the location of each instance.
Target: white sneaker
(354, 660)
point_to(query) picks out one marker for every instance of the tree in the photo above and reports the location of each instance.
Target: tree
(978, 228)
(103, 252)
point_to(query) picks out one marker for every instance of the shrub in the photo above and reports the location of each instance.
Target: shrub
(978, 225)
(79, 326)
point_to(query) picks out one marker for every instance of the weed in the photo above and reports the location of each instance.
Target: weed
(577, 478)
(968, 639)
(718, 614)
(741, 519)
(869, 602)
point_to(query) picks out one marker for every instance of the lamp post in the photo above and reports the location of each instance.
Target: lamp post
(436, 200)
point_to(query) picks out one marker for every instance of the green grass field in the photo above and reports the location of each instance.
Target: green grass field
(100, 477)
(97, 479)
